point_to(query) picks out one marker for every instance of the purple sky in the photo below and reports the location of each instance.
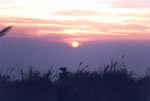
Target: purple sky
(22, 52)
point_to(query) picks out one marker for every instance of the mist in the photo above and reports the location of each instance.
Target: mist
(20, 53)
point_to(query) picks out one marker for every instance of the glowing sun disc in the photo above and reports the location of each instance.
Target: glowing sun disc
(75, 44)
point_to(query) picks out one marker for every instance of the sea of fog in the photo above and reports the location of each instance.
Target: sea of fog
(22, 52)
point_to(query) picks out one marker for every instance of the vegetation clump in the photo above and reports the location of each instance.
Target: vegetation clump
(112, 82)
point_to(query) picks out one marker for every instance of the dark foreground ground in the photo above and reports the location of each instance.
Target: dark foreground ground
(111, 82)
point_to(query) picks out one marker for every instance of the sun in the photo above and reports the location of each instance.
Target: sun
(75, 44)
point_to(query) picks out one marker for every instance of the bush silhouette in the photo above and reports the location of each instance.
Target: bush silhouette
(112, 82)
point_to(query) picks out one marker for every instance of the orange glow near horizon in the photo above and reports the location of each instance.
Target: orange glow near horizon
(84, 21)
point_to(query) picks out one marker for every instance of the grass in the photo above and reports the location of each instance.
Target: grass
(112, 82)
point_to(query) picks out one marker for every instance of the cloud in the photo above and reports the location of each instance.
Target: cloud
(81, 30)
(148, 15)
(131, 4)
(76, 13)
(5, 2)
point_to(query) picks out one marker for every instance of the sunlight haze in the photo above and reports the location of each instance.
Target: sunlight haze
(83, 20)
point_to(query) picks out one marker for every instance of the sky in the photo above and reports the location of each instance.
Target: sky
(43, 31)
